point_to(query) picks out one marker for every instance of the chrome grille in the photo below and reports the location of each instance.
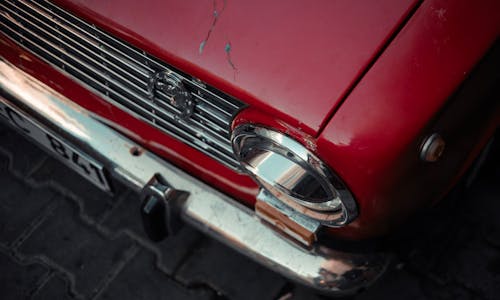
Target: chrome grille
(121, 74)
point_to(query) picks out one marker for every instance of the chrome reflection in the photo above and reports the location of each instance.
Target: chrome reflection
(293, 174)
(330, 271)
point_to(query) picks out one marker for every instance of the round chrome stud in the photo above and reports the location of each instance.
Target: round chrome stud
(432, 148)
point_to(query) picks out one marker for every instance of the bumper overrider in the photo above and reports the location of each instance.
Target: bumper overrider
(28, 104)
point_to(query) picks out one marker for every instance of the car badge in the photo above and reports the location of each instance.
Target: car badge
(178, 96)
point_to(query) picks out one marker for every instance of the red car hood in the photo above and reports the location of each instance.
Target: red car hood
(294, 59)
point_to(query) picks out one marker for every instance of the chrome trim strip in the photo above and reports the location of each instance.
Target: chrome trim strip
(122, 74)
(209, 210)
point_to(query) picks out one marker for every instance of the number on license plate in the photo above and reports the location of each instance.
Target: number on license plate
(75, 159)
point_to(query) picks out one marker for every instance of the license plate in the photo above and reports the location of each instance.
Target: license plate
(72, 157)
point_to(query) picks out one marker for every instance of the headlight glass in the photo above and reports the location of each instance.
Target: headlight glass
(294, 175)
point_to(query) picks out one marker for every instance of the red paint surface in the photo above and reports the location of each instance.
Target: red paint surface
(294, 66)
(294, 59)
(373, 140)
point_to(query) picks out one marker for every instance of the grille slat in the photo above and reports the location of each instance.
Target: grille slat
(76, 67)
(87, 47)
(91, 33)
(72, 51)
(217, 110)
(120, 73)
(222, 101)
(128, 66)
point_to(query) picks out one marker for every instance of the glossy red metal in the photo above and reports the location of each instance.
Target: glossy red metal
(294, 65)
(293, 59)
(373, 139)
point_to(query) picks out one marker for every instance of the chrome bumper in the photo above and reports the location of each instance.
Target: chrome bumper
(205, 208)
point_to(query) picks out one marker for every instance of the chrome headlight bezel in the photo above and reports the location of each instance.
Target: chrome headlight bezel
(281, 165)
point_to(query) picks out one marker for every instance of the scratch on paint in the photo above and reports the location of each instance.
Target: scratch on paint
(228, 49)
(216, 14)
(441, 14)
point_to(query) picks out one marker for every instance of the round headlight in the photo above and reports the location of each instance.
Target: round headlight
(294, 175)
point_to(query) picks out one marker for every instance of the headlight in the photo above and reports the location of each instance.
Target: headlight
(294, 175)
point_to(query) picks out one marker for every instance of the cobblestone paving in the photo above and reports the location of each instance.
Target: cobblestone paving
(61, 238)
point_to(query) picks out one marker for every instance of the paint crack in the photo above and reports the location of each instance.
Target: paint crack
(216, 14)
(228, 49)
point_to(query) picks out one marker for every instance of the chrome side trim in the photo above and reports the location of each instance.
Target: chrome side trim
(209, 210)
(192, 112)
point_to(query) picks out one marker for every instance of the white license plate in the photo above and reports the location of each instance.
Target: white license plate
(72, 157)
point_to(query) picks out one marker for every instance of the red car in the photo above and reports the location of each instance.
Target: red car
(282, 129)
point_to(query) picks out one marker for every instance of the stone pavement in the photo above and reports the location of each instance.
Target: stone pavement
(61, 238)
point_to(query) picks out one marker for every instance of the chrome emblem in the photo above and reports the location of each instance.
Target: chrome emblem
(179, 97)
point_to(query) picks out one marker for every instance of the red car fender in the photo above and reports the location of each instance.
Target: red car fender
(373, 139)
